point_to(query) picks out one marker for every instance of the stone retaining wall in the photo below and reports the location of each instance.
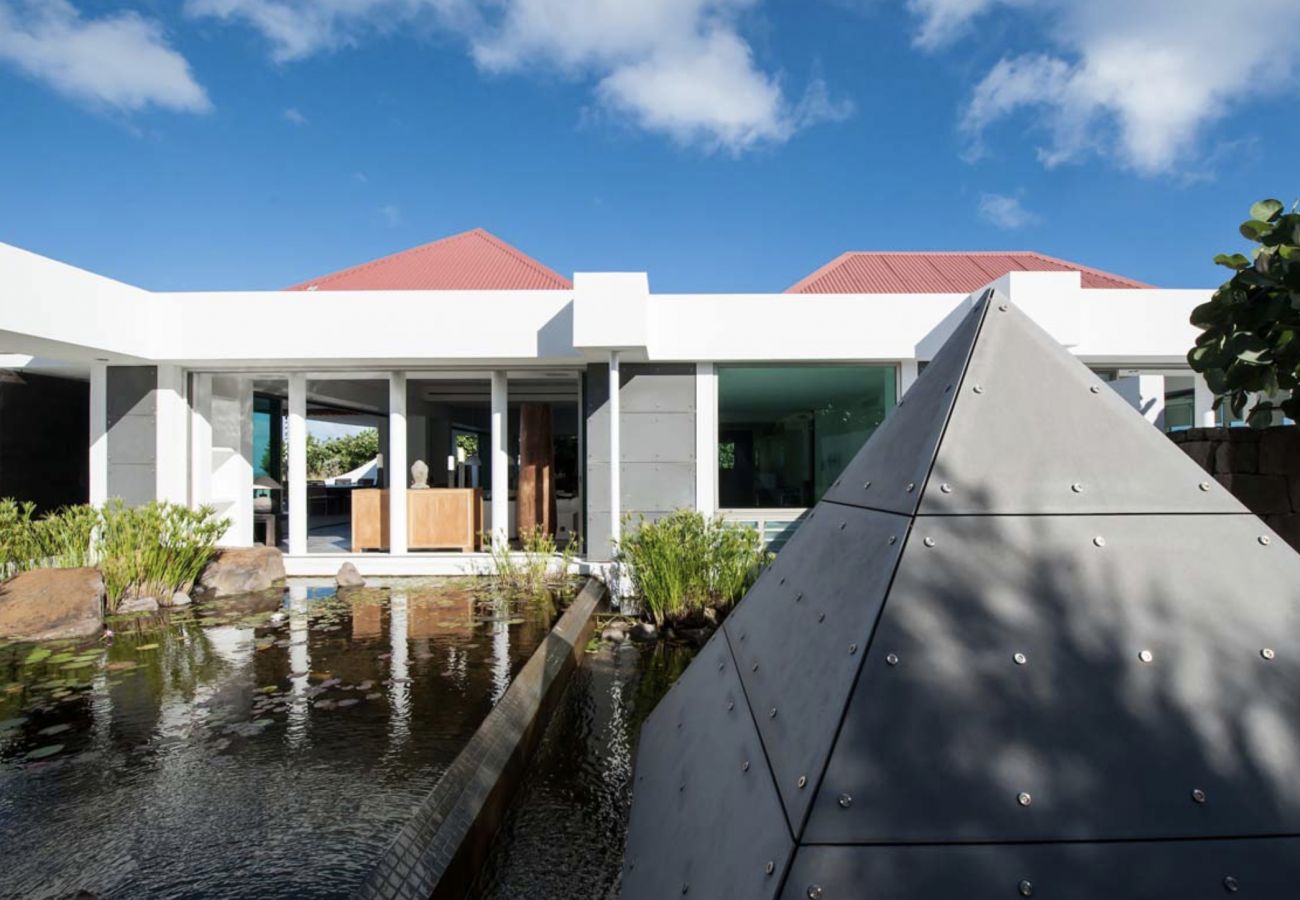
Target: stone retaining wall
(1261, 468)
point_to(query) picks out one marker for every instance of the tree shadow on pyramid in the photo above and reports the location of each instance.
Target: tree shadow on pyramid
(1045, 658)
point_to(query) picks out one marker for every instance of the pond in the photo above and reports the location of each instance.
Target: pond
(266, 747)
(564, 833)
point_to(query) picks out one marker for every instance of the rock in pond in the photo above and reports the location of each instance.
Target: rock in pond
(49, 604)
(348, 576)
(180, 598)
(644, 631)
(137, 605)
(613, 634)
(241, 570)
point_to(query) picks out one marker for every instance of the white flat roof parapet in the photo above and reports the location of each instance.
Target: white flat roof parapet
(610, 310)
(57, 311)
(366, 326)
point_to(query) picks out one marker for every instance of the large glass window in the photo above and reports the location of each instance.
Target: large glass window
(786, 432)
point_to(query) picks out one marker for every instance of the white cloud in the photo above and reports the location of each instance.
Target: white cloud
(676, 67)
(294, 116)
(391, 215)
(1006, 212)
(298, 28)
(122, 61)
(1139, 81)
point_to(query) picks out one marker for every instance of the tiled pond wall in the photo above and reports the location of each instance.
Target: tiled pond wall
(1260, 467)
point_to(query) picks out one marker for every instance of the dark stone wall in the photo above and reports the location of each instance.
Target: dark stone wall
(44, 440)
(1261, 468)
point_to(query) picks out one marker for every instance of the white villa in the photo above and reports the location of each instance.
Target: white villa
(535, 400)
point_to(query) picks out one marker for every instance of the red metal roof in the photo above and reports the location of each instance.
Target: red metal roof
(470, 261)
(858, 272)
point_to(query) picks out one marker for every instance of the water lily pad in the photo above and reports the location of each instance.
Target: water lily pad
(351, 701)
(147, 647)
(37, 655)
(43, 752)
(10, 724)
(269, 689)
(59, 659)
(55, 729)
(77, 664)
(122, 665)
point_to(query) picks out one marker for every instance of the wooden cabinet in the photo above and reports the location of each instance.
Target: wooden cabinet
(436, 519)
(369, 519)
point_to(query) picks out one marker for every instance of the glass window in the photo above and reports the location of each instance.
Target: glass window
(786, 432)
(268, 446)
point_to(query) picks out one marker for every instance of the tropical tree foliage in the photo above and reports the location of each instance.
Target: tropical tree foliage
(1248, 350)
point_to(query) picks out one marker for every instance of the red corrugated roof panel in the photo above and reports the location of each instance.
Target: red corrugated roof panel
(471, 261)
(936, 272)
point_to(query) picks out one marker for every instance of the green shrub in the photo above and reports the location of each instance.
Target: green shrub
(154, 550)
(685, 562)
(533, 573)
(20, 548)
(151, 550)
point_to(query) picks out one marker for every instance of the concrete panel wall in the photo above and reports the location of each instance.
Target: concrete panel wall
(658, 443)
(132, 433)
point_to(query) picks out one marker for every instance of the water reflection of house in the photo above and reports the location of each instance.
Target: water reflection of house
(450, 615)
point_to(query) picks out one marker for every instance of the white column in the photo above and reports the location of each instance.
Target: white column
(299, 666)
(395, 462)
(98, 433)
(1146, 394)
(706, 438)
(1204, 403)
(907, 372)
(297, 465)
(399, 669)
(500, 461)
(201, 441)
(615, 451)
(172, 450)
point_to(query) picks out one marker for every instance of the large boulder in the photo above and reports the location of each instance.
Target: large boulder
(49, 604)
(241, 570)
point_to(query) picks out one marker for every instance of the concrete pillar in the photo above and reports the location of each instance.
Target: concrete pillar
(615, 451)
(395, 463)
(907, 373)
(171, 432)
(297, 465)
(201, 440)
(1146, 394)
(98, 433)
(500, 461)
(706, 438)
(1204, 403)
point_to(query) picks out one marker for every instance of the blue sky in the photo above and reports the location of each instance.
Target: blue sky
(721, 145)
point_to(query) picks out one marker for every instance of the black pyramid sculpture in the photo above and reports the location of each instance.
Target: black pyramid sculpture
(1023, 647)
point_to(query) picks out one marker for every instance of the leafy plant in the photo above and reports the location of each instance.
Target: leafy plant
(535, 572)
(152, 550)
(1249, 347)
(685, 562)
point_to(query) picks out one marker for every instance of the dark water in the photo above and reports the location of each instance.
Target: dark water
(255, 749)
(564, 834)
